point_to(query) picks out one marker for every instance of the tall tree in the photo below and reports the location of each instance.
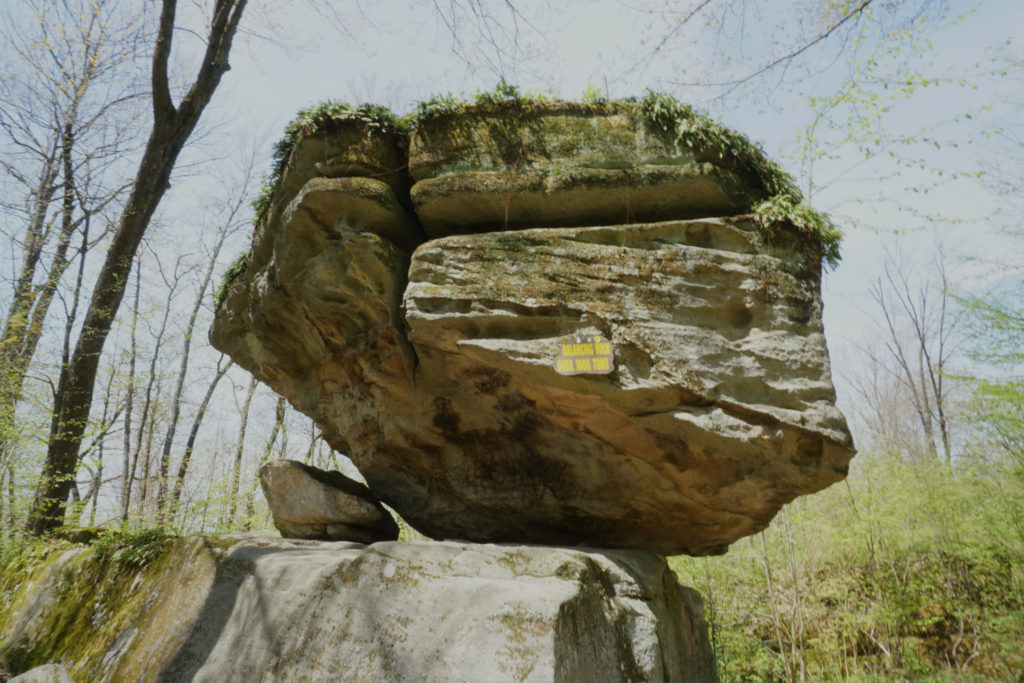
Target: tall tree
(173, 502)
(268, 451)
(172, 126)
(148, 414)
(230, 223)
(906, 388)
(236, 470)
(129, 402)
(61, 134)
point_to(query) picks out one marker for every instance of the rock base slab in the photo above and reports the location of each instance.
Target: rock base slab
(261, 609)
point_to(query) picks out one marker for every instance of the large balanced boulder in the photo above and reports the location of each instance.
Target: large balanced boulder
(263, 609)
(582, 378)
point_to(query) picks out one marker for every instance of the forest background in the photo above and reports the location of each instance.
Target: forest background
(902, 119)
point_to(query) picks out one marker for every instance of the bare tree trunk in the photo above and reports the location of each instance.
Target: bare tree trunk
(24, 325)
(919, 333)
(99, 459)
(796, 646)
(147, 461)
(6, 468)
(250, 498)
(186, 457)
(236, 472)
(35, 238)
(282, 449)
(95, 479)
(773, 602)
(714, 626)
(937, 365)
(127, 470)
(146, 420)
(313, 438)
(172, 126)
(16, 324)
(172, 427)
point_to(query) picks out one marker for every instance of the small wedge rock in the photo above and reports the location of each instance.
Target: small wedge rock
(307, 502)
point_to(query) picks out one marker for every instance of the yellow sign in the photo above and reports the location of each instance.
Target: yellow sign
(591, 355)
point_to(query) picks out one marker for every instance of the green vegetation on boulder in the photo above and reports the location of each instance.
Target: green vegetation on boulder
(780, 201)
(69, 602)
(784, 210)
(370, 119)
(236, 268)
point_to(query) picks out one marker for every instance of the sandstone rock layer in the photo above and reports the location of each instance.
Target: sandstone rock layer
(564, 166)
(433, 368)
(261, 609)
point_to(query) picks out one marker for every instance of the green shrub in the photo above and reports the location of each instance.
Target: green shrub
(434, 106)
(907, 571)
(504, 94)
(783, 208)
(237, 267)
(505, 97)
(593, 96)
(131, 549)
(373, 118)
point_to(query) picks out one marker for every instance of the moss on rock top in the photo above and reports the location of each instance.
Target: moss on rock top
(686, 126)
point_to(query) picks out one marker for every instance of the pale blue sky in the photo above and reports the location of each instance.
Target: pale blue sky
(396, 56)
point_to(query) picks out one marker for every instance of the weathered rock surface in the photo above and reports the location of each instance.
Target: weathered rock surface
(307, 502)
(433, 371)
(48, 673)
(278, 610)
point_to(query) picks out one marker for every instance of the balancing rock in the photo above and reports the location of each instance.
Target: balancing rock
(571, 329)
